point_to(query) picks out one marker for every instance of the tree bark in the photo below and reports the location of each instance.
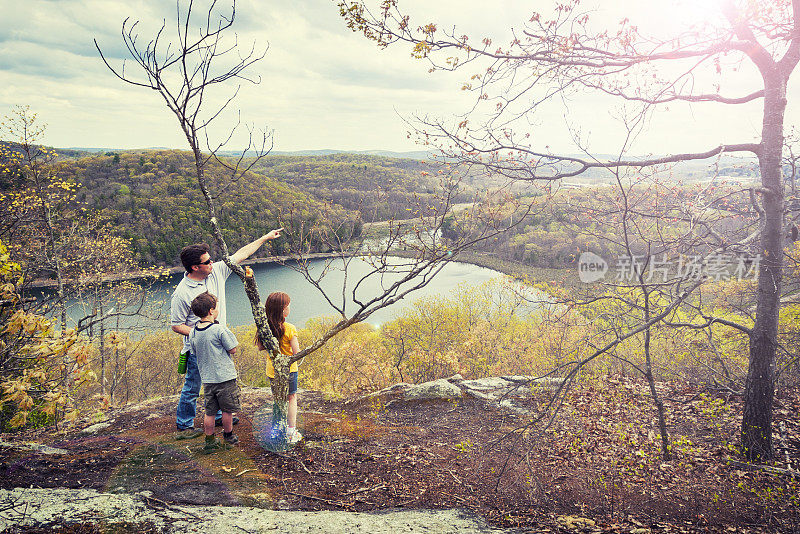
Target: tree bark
(662, 419)
(280, 384)
(759, 387)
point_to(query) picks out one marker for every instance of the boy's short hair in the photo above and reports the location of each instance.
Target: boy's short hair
(190, 255)
(203, 304)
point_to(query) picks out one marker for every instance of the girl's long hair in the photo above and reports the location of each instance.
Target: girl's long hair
(274, 306)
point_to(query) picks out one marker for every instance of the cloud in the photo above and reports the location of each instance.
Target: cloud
(321, 84)
(317, 76)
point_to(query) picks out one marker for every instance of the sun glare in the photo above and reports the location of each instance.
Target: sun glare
(677, 16)
(699, 12)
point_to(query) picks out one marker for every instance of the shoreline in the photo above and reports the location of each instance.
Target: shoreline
(519, 271)
(567, 277)
(46, 284)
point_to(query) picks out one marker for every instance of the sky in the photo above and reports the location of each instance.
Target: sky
(321, 85)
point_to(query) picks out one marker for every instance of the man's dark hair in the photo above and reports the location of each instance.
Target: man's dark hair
(191, 255)
(203, 303)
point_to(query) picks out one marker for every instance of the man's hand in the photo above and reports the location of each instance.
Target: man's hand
(274, 234)
(182, 329)
(248, 250)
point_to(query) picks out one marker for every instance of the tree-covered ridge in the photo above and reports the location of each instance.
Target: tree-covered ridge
(565, 223)
(151, 197)
(379, 188)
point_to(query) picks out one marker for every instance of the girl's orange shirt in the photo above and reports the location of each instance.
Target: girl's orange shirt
(289, 331)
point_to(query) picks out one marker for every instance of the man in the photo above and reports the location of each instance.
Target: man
(202, 274)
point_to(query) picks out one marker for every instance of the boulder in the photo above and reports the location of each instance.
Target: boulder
(491, 383)
(498, 390)
(94, 429)
(434, 390)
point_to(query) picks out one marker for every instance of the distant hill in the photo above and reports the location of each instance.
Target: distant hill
(377, 187)
(418, 154)
(153, 199)
(94, 150)
(725, 165)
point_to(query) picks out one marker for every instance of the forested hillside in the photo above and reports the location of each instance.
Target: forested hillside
(153, 199)
(563, 224)
(379, 188)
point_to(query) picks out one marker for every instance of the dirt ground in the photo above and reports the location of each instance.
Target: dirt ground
(596, 469)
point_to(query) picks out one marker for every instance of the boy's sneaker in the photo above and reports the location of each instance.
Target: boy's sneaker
(230, 440)
(188, 433)
(213, 446)
(293, 436)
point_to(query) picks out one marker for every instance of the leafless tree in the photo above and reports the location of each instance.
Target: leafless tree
(183, 70)
(555, 57)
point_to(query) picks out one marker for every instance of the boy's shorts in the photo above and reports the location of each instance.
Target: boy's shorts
(222, 396)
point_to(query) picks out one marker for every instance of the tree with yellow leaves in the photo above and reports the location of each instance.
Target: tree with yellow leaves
(57, 240)
(35, 359)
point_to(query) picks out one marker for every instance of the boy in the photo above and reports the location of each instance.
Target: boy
(215, 346)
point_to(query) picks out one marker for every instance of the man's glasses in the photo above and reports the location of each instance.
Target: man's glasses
(207, 262)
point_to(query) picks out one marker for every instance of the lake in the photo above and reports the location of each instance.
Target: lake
(307, 301)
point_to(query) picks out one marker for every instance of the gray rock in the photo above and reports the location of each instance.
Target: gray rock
(486, 384)
(479, 395)
(506, 389)
(498, 390)
(510, 406)
(94, 429)
(433, 390)
(55, 506)
(517, 378)
(32, 446)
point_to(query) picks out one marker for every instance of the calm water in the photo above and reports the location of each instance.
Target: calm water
(307, 301)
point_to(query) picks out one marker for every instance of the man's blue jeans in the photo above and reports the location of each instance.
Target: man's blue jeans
(187, 404)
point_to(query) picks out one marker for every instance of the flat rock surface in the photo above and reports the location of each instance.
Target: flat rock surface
(359, 469)
(43, 508)
(433, 390)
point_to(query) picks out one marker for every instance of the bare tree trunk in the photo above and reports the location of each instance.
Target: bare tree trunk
(662, 421)
(759, 388)
(102, 351)
(281, 364)
(280, 401)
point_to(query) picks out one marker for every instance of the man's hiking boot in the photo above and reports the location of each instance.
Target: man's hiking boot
(231, 439)
(188, 433)
(213, 445)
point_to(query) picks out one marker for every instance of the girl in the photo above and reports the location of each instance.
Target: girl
(277, 310)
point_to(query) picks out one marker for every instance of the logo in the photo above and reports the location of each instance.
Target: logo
(591, 267)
